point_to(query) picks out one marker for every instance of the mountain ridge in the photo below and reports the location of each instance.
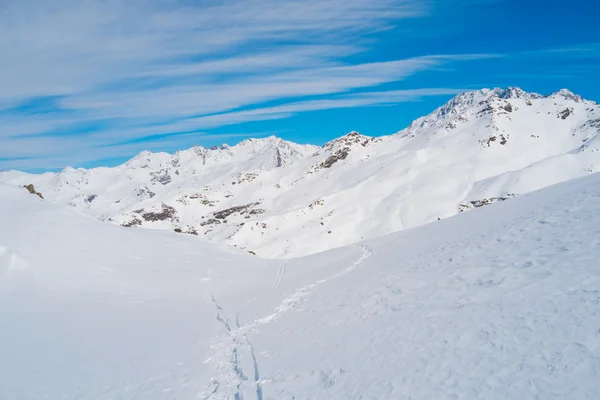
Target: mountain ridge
(281, 199)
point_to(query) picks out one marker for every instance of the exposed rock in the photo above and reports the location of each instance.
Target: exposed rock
(341, 154)
(488, 109)
(189, 231)
(145, 192)
(167, 212)
(564, 114)
(593, 123)
(279, 161)
(341, 147)
(197, 196)
(568, 95)
(32, 190)
(247, 177)
(91, 198)
(162, 177)
(236, 209)
(132, 223)
(483, 202)
(319, 202)
(491, 139)
(257, 211)
(211, 221)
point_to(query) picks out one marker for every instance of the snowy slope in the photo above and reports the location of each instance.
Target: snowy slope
(282, 200)
(498, 303)
(89, 310)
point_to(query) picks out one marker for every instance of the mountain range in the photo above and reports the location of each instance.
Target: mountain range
(279, 199)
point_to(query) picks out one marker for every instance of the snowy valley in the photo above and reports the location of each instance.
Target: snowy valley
(299, 200)
(368, 268)
(278, 199)
(501, 302)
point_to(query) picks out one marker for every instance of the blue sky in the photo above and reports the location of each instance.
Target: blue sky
(89, 83)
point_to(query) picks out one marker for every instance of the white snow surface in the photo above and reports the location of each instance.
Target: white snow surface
(282, 200)
(502, 302)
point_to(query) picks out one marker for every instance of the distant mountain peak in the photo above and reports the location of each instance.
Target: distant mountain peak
(223, 146)
(348, 140)
(567, 94)
(515, 93)
(280, 198)
(483, 102)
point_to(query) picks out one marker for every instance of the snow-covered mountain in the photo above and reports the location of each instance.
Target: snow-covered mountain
(498, 303)
(280, 199)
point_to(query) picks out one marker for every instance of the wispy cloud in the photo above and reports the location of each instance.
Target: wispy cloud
(577, 50)
(84, 76)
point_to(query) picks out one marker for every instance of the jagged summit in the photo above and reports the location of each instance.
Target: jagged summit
(464, 101)
(282, 199)
(223, 146)
(567, 94)
(485, 103)
(348, 139)
(248, 149)
(515, 93)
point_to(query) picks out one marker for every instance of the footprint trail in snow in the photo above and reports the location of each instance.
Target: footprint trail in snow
(227, 349)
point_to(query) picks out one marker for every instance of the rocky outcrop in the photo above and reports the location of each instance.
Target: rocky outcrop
(166, 213)
(483, 202)
(341, 154)
(564, 114)
(247, 208)
(32, 190)
(340, 148)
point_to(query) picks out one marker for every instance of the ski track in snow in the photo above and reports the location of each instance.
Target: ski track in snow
(227, 349)
(280, 275)
(500, 303)
(293, 299)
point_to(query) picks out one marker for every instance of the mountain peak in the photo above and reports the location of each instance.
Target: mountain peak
(480, 148)
(348, 136)
(515, 93)
(71, 170)
(567, 94)
(481, 102)
(347, 141)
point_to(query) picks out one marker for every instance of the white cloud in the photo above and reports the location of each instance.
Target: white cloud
(135, 68)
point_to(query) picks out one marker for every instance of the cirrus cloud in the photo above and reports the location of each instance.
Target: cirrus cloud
(85, 76)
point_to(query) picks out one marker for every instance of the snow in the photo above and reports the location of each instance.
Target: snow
(501, 302)
(303, 199)
(295, 200)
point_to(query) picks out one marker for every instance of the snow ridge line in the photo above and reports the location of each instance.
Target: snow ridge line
(227, 350)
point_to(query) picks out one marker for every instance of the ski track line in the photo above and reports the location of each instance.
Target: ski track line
(227, 350)
(280, 275)
(232, 355)
(259, 395)
(292, 300)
